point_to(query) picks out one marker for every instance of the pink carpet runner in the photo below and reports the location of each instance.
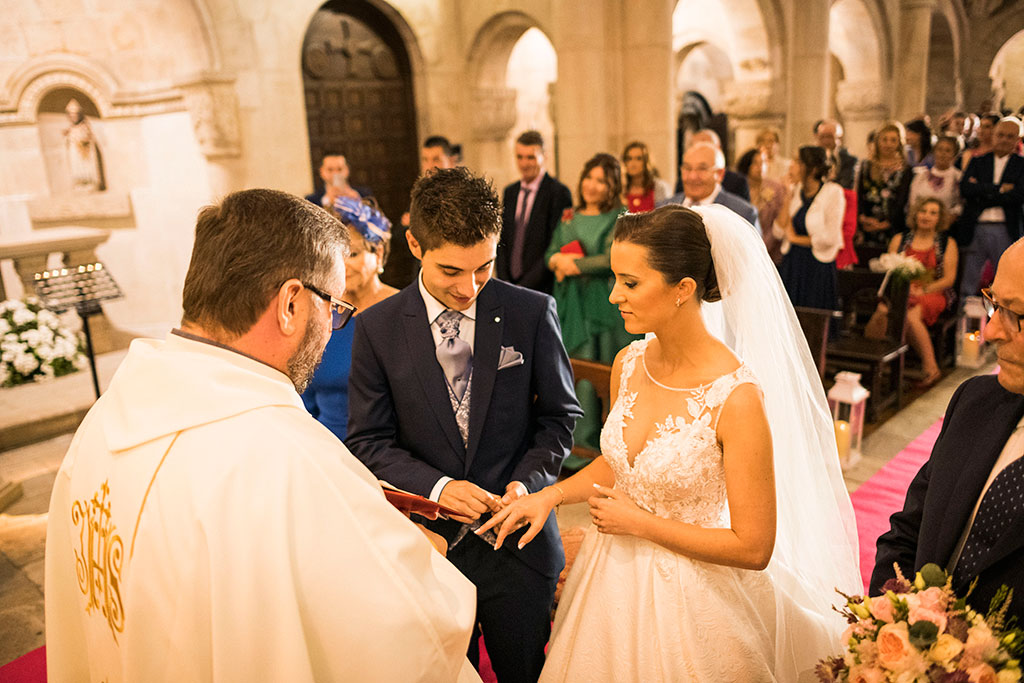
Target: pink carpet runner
(884, 493)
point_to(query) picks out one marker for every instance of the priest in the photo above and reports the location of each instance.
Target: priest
(203, 527)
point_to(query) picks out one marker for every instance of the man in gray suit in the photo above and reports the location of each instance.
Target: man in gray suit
(702, 171)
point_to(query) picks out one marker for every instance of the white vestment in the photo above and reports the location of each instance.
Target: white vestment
(203, 527)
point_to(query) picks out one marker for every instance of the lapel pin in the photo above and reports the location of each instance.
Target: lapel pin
(497, 318)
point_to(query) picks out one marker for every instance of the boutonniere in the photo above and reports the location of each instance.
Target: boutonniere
(567, 215)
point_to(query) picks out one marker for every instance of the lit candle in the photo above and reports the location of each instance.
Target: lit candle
(972, 347)
(843, 440)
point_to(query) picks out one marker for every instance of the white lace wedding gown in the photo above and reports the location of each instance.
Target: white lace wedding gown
(632, 610)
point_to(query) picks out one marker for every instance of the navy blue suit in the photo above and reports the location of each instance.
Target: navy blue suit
(980, 418)
(401, 425)
(735, 203)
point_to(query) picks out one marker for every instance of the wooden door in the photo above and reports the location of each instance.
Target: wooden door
(359, 101)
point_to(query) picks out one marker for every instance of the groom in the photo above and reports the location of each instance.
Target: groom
(461, 390)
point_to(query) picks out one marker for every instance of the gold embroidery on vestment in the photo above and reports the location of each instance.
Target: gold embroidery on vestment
(99, 558)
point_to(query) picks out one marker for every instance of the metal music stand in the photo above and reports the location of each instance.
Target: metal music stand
(80, 287)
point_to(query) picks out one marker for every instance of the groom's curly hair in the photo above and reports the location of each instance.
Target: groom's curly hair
(453, 206)
(677, 246)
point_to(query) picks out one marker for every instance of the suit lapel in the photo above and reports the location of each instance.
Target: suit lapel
(490, 321)
(538, 213)
(960, 487)
(420, 343)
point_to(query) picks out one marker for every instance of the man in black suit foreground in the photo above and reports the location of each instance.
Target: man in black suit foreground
(461, 391)
(531, 210)
(965, 508)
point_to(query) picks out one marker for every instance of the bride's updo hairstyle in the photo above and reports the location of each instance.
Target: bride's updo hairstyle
(677, 246)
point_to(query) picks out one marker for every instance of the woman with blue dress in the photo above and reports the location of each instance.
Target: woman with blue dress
(326, 397)
(811, 231)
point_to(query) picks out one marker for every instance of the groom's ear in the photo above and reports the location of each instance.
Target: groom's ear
(414, 246)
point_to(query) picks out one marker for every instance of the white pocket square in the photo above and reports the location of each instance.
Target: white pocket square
(509, 358)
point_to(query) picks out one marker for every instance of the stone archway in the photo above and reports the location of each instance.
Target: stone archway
(357, 79)
(943, 90)
(860, 45)
(1007, 73)
(496, 51)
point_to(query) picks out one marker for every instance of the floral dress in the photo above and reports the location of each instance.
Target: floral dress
(884, 199)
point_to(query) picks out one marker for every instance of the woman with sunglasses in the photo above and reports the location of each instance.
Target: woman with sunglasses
(326, 397)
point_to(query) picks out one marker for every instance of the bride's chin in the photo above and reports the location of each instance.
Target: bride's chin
(633, 327)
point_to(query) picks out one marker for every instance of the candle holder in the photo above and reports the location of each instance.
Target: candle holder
(970, 336)
(848, 400)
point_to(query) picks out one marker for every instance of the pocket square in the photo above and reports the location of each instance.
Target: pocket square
(509, 358)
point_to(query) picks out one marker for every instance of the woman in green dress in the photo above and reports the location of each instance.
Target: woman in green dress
(578, 255)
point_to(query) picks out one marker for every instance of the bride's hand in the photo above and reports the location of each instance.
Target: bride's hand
(532, 509)
(614, 512)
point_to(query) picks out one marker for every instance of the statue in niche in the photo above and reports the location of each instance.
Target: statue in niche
(84, 159)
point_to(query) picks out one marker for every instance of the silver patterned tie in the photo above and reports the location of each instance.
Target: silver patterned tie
(454, 354)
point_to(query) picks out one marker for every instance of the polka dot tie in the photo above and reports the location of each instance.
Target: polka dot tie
(1002, 504)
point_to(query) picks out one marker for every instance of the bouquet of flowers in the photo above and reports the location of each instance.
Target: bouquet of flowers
(921, 632)
(905, 268)
(34, 345)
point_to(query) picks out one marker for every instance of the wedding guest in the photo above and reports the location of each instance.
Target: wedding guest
(730, 180)
(204, 527)
(883, 183)
(703, 174)
(326, 397)
(776, 166)
(334, 172)
(919, 143)
(811, 230)
(942, 180)
(715, 472)
(767, 196)
(579, 257)
(927, 242)
(964, 510)
(983, 140)
(843, 166)
(643, 187)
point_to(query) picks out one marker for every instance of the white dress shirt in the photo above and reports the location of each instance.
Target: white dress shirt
(707, 201)
(995, 214)
(467, 333)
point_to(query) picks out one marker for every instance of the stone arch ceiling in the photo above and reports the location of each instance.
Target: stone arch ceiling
(143, 44)
(754, 36)
(853, 38)
(491, 46)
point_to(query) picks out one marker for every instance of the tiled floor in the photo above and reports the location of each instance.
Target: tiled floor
(23, 525)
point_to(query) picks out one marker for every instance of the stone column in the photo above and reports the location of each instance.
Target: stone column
(862, 106)
(751, 107)
(494, 114)
(213, 106)
(647, 82)
(808, 73)
(911, 77)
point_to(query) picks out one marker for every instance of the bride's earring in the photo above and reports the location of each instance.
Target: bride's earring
(679, 302)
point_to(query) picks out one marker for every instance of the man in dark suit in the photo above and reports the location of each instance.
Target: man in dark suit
(702, 171)
(965, 508)
(532, 208)
(461, 391)
(829, 135)
(993, 190)
(334, 173)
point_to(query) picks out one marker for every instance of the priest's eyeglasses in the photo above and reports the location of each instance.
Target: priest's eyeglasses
(1009, 319)
(341, 311)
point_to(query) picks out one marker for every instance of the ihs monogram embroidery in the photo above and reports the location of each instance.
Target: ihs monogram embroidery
(99, 558)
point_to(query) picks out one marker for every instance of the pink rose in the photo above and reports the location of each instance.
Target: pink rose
(882, 609)
(934, 599)
(923, 614)
(981, 644)
(866, 674)
(894, 649)
(982, 673)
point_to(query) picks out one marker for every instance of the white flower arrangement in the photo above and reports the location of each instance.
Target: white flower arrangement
(34, 345)
(903, 268)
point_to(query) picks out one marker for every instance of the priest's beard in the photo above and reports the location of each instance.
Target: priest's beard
(307, 357)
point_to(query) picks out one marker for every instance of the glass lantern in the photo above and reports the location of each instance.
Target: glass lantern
(970, 336)
(848, 400)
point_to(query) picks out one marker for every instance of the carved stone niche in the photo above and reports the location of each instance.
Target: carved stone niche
(861, 100)
(213, 106)
(494, 112)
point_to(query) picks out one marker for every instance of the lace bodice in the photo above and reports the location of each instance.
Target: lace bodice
(679, 472)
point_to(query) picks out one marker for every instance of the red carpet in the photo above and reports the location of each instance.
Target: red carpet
(30, 668)
(884, 493)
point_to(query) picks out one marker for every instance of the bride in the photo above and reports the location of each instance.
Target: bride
(721, 524)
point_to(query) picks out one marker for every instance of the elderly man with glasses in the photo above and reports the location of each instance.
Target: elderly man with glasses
(965, 509)
(203, 526)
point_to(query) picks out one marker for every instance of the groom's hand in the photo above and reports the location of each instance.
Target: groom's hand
(468, 499)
